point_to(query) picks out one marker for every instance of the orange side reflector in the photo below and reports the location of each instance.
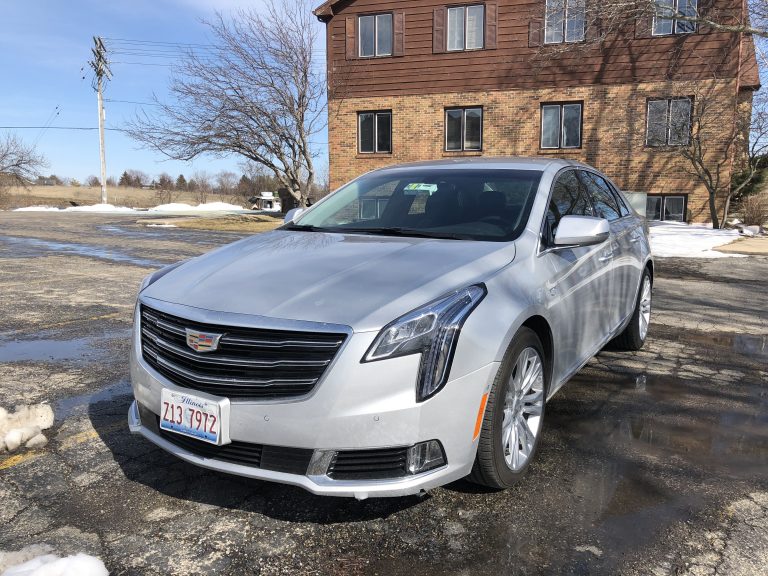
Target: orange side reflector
(480, 414)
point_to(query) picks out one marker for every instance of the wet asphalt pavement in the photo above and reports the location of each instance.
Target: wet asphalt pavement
(650, 463)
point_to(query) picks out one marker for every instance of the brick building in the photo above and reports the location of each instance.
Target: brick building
(422, 79)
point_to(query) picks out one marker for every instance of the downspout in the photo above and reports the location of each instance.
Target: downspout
(727, 206)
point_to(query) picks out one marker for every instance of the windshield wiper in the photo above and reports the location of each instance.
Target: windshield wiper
(396, 231)
(304, 227)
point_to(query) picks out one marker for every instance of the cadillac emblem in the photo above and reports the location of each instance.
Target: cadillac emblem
(201, 341)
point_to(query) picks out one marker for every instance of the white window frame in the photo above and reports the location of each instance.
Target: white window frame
(375, 35)
(675, 8)
(668, 122)
(561, 106)
(464, 21)
(464, 128)
(376, 114)
(564, 25)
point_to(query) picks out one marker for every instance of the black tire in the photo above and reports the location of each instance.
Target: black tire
(490, 468)
(632, 339)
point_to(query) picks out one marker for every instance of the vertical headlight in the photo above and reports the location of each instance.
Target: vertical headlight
(433, 331)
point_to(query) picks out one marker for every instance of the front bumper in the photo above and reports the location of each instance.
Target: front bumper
(354, 407)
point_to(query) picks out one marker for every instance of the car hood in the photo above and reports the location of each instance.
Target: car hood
(357, 280)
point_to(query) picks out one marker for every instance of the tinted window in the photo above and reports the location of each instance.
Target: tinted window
(620, 201)
(481, 204)
(569, 198)
(602, 198)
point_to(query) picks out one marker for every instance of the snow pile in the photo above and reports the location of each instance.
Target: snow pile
(209, 207)
(162, 226)
(37, 209)
(24, 427)
(99, 208)
(109, 208)
(672, 239)
(52, 565)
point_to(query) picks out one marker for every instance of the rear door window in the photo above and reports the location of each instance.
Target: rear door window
(601, 195)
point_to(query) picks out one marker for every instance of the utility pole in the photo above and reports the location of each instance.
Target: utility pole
(101, 70)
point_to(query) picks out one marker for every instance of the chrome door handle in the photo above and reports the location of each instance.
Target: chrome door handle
(605, 258)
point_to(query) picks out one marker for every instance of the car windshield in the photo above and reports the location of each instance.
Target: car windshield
(490, 204)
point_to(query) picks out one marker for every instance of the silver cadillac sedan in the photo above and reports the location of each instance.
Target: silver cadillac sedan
(402, 333)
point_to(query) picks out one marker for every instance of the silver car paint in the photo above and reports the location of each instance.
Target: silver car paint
(361, 283)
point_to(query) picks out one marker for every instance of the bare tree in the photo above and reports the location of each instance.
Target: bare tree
(226, 182)
(719, 146)
(202, 187)
(20, 164)
(93, 181)
(165, 191)
(259, 96)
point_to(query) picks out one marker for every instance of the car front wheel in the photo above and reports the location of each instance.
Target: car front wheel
(514, 414)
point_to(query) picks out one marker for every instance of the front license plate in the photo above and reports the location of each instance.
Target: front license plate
(191, 415)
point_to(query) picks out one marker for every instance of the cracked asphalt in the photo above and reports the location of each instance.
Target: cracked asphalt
(651, 463)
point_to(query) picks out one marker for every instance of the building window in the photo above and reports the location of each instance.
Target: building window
(375, 132)
(670, 17)
(463, 129)
(466, 25)
(375, 34)
(669, 122)
(561, 125)
(564, 21)
(671, 208)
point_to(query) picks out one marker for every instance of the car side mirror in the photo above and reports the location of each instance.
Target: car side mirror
(581, 231)
(292, 214)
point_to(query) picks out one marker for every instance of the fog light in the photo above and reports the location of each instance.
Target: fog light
(425, 456)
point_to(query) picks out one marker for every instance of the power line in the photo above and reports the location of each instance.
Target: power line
(131, 102)
(59, 128)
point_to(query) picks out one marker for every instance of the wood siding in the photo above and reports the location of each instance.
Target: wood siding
(518, 61)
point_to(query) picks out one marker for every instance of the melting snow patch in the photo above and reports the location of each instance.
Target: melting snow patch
(695, 241)
(162, 226)
(109, 208)
(52, 565)
(37, 209)
(24, 427)
(94, 208)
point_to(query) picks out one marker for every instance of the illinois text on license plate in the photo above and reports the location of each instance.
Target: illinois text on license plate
(190, 415)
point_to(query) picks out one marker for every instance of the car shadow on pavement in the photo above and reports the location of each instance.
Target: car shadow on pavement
(146, 464)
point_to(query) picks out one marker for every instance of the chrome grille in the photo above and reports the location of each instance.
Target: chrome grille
(250, 363)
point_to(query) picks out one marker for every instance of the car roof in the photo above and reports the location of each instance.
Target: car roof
(497, 163)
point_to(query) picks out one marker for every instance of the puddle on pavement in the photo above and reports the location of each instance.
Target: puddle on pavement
(751, 345)
(78, 405)
(699, 423)
(51, 350)
(29, 247)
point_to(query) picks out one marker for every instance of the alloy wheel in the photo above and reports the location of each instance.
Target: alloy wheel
(523, 407)
(645, 307)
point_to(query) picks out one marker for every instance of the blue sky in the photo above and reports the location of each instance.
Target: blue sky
(45, 43)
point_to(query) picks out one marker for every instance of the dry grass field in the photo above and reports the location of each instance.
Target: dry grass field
(64, 196)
